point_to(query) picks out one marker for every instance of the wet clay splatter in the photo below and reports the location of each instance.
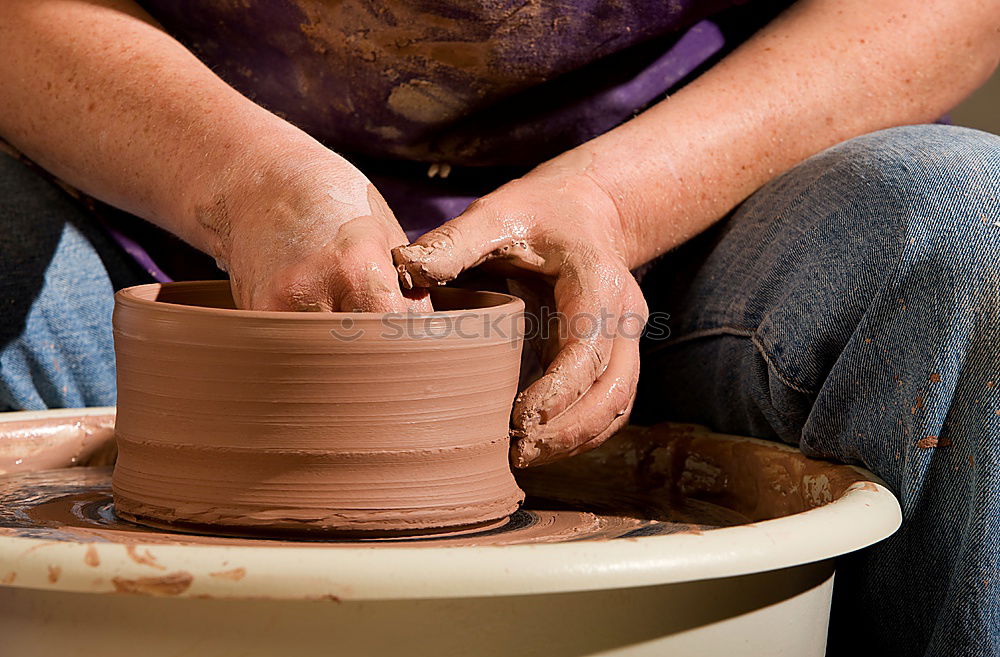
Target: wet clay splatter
(168, 585)
(145, 558)
(91, 557)
(62, 442)
(931, 442)
(235, 574)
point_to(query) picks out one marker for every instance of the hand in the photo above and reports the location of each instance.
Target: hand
(311, 235)
(558, 226)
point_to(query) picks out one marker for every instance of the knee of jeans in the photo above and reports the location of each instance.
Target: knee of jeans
(900, 226)
(930, 195)
(922, 169)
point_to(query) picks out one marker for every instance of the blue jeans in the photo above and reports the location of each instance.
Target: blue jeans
(850, 307)
(59, 272)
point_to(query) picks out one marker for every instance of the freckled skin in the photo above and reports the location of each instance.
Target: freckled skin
(552, 224)
(663, 177)
(100, 96)
(296, 226)
(322, 253)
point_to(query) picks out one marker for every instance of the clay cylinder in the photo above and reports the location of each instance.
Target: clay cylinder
(234, 421)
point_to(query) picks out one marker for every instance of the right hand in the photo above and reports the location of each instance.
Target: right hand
(310, 233)
(558, 230)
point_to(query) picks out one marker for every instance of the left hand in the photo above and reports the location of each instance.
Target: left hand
(555, 224)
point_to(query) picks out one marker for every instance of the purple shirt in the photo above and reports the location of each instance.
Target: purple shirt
(489, 87)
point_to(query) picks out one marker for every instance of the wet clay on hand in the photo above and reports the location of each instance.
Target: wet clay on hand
(263, 422)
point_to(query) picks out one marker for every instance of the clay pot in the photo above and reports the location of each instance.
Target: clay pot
(234, 421)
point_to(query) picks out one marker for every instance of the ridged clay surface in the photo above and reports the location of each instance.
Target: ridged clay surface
(268, 422)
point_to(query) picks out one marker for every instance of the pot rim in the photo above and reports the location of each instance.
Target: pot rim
(134, 297)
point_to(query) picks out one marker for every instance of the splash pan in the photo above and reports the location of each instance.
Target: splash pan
(670, 539)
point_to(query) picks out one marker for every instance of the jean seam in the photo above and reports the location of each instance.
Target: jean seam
(742, 332)
(706, 333)
(783, 378)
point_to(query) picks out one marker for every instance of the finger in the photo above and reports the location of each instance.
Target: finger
(359, 279)
(616, 425)
(596, 416)
(589, 298)
(383, 275)
(293, 289)
(365, 281)
(475, 236)
(371, 287)
(360, 276)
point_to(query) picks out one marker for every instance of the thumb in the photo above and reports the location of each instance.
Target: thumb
(440, 255)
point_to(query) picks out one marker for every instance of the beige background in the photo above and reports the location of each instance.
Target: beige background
(982, 109)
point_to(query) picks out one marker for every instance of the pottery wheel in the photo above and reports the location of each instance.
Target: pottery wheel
(606, 519)
(75, 505)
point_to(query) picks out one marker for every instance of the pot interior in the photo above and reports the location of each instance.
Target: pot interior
(217, 294)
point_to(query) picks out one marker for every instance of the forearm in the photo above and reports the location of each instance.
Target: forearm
(823, 72)
(98, 94)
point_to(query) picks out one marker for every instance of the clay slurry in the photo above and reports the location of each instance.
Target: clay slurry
(74, 505)
(275, 421)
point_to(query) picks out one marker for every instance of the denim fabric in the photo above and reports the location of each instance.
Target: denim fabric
(58, 272)
(852, 307)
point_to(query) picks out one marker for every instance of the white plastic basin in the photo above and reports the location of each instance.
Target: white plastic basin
(760, 588)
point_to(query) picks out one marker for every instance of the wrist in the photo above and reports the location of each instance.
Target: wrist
(658, 184)
(271, 187)
(601, 196)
